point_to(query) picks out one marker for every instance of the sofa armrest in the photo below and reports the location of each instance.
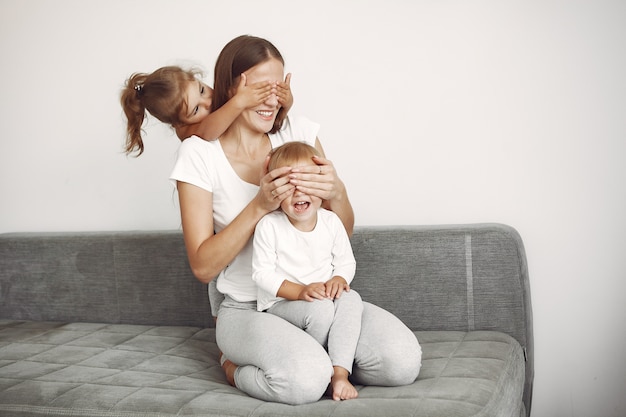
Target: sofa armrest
(465, 277)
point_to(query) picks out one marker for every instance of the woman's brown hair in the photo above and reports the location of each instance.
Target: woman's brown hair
(161, 93)
(238, 56)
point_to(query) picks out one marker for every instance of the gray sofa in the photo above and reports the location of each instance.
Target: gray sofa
(114, 324)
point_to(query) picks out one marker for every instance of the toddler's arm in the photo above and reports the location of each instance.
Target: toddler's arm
(335, 286)
(293, 291)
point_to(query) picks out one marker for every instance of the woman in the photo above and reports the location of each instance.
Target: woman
(224, 190)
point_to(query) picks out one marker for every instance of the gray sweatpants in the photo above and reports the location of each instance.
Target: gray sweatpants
(335, 324)
(279, 362)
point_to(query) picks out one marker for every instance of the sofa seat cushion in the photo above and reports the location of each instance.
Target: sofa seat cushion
(91, 369)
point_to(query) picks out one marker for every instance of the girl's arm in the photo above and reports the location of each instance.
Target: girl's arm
(283, 92)
(209, 252)
(216, 123)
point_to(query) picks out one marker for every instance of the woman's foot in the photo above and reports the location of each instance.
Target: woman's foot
(340, 386)
(229, 369)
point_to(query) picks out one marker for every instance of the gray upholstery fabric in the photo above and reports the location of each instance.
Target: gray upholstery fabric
(127, 277)
(114, 324)
(96, 369)
(420, 273)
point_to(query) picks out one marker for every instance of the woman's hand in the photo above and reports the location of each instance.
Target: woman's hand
(319, 180)
(322, 181)
(275, 187)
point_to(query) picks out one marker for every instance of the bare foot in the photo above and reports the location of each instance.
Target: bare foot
(229, 369)
(342, 389)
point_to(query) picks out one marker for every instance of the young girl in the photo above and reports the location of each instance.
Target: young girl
(302, 262)
(177, 97)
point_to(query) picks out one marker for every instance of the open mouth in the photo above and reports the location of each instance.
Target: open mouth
(266, 114)
(301, 206)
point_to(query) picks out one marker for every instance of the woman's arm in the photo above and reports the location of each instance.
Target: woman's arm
(322, 181)
(209, 252)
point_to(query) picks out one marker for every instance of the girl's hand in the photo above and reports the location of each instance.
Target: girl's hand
(283, 92)
(311, 292)
(335, 287)
(274, 187)
(252, 95)
(318, 180)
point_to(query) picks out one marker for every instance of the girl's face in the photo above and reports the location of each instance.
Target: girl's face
(261, 118)
(198, 97)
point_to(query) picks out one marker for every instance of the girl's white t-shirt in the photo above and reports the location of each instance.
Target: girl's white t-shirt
(203, 164)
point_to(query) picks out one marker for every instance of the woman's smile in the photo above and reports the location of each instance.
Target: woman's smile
(262, 117)
(266, 114)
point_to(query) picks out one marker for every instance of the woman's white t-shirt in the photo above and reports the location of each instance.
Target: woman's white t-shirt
(203, 164)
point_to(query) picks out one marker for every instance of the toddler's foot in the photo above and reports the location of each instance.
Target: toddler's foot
(341, 387)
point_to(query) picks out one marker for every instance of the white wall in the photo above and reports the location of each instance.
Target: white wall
(432, 111)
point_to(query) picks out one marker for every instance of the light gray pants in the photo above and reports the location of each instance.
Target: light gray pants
(279, 362)
(335, 324)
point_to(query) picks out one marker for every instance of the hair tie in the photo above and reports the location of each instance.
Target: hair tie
(138, 89)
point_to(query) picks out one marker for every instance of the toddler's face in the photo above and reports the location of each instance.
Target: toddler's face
(302, 208)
